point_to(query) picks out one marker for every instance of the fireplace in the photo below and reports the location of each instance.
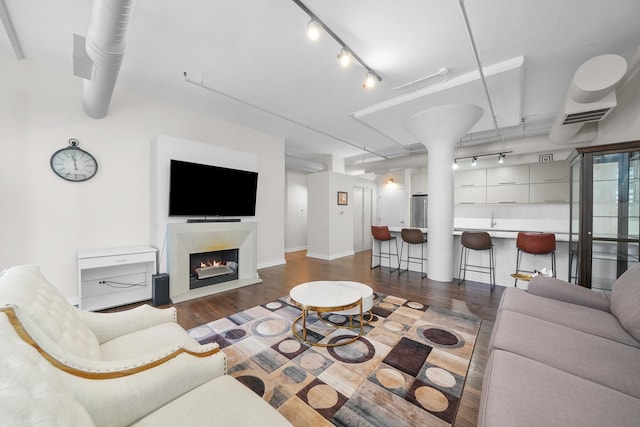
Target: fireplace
(212, 267)
(195, 238)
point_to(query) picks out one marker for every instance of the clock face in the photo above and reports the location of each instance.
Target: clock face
(74, 164)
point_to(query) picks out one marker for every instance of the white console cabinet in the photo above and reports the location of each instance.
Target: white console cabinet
(115, 276)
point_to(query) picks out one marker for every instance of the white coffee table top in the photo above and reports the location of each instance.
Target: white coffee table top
(324, 294)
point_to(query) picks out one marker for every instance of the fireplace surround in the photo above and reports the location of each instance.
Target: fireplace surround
(185, 239)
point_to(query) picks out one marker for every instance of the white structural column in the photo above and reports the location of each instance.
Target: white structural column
(439, 129)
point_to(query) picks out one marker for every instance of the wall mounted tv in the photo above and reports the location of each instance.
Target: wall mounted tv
(203, 190)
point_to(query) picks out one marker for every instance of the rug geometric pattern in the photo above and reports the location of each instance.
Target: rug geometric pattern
(407, 369)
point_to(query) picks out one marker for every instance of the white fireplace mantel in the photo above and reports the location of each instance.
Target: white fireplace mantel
(188, 238)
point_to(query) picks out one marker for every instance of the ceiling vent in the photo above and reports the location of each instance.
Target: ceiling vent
(577, 112)
(590, 98)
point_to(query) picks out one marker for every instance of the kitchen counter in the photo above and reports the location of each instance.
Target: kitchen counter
(505, 251)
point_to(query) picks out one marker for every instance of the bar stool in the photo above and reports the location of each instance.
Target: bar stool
(476, 241)
(380, 233)
(535, 244)
(412, 236)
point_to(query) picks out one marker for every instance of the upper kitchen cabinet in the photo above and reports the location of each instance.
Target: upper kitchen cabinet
(470, 178)
(470, 187)
(549, 182)
(509, 175)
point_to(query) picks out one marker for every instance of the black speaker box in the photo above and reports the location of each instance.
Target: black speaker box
(160, 289)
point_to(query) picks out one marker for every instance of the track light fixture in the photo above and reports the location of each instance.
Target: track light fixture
(369, 81)
(313, 30)
(344, 58)
(474, 158)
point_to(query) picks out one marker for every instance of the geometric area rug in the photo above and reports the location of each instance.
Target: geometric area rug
(407, 369)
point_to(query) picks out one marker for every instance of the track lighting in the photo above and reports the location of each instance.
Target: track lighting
(313, 30)
(344, 58)
(474, 158)
(369, 81)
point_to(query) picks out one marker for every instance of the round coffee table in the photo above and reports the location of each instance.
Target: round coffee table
(323, 297)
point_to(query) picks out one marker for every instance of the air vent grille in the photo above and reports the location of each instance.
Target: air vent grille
(586, 116)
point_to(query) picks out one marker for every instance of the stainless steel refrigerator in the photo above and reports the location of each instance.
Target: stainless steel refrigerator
(419, 210)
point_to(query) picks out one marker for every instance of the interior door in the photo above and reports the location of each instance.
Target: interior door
(362, 212)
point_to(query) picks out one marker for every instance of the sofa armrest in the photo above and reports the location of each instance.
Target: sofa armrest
(107, 326)
(550, 287)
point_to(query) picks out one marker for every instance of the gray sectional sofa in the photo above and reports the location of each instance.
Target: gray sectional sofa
(564, 355)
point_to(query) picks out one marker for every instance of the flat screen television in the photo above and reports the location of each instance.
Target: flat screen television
(204, 190)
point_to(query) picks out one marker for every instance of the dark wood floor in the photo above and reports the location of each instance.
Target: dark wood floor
(470, 297)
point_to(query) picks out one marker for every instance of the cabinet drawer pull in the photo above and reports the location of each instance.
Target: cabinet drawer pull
(467, 185)
(121, 260)
(510, 182)
(554, 201)
(467, 203)
(554, 180)
(512, 201)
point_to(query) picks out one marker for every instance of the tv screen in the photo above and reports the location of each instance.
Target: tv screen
(203, 190)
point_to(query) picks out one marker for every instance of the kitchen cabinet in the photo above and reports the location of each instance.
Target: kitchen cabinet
(506, 194)
(550, 192)
(470, 195)
(508, 175)
(549, 172)
(470, 178)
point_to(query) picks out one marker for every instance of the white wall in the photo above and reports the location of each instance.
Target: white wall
(295, 233)
(330, 226)
(45, 220)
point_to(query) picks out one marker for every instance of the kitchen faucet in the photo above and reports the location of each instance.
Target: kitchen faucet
(493, 221)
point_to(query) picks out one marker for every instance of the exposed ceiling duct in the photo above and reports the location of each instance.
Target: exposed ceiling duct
(98, 59)
(590, 98)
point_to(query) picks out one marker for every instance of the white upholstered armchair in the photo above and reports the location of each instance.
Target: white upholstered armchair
(141, 358)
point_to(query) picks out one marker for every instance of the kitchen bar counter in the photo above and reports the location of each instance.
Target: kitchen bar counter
(504, 244)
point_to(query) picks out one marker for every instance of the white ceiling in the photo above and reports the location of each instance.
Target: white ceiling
(261, 71)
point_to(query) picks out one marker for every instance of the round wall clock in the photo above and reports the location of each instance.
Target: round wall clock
(73, 163)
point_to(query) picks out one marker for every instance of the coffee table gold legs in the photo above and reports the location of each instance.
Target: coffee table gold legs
(303, 337)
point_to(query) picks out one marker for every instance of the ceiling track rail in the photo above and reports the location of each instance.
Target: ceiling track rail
(479, 65)
(280, 116)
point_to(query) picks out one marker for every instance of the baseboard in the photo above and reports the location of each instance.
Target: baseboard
(300, 248)
(272, 263)
(330, 257)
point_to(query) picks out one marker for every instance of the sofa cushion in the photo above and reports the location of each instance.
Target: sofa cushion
(585, 319)
(550, 287)
(517, 391)
(593, 358)
(625, 300)
(31, 392)
(45, 313)
(223, 401)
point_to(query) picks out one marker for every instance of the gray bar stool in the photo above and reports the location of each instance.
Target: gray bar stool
(476, 241)
(380, 233)
(535, 244)
(412, 236)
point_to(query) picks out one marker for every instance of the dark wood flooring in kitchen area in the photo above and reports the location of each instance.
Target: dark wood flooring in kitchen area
(470, 297)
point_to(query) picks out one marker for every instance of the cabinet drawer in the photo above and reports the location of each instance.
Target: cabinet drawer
(470, 178)
(112, 260)
(510, 175)
(508, 194)
(470, 195)
(557, 192)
